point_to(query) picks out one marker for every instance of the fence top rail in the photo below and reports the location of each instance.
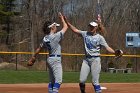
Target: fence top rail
(69, 54)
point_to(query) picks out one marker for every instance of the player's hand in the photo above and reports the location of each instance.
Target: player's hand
(98, 21)
(60, 15)
(31, 61)
(118, 53)
(66, 20)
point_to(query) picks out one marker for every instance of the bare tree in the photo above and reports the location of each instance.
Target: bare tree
(118, 17)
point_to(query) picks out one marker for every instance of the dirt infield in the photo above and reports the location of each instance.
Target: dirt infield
(70, 88)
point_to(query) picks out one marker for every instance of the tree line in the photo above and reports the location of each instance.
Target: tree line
(21, 24)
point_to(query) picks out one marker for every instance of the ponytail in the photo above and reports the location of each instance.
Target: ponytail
(45, 28)
(101, 29)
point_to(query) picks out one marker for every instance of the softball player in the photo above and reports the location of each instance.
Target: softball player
(51, 43)
(92, 43)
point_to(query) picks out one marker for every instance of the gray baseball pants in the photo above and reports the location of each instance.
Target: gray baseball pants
(92, 65)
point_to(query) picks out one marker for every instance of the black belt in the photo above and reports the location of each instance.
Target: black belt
(54, 55)
(89, 56)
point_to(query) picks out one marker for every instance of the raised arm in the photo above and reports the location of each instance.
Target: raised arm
(65, 26)
(73, 28)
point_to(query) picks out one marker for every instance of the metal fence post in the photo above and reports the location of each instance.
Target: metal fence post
(16, 61)
(46, 62)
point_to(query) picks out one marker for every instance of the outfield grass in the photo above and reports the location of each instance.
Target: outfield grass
(7, 77)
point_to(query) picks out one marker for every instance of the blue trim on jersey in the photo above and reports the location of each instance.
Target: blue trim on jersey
(61, 35)
(88, 43)
(54, 55)
(48, 45)
(89, 56)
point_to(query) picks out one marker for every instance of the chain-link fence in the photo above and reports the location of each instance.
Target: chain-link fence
(70, 62)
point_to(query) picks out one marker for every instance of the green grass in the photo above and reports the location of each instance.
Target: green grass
(23, 77)
(7, 77)
(120, 78)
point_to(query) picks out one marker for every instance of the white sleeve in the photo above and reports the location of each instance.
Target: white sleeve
(103, 42)
(83, 33)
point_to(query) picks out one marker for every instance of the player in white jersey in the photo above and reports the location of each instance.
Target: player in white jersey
(92, 43)
(51, 42)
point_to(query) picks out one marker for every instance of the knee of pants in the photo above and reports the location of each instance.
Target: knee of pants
(95, 82)
(82, 80)
(58, 81)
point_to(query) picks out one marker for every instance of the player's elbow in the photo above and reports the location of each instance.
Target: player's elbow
(64, 29)
(76, 31)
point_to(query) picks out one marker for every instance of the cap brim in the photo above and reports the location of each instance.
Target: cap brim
(53, 25)
(94, 24)
(57, 24)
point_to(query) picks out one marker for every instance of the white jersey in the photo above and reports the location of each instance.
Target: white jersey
(51, 42)
(93, 43)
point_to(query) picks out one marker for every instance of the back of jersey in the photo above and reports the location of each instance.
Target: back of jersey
(51, 42)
